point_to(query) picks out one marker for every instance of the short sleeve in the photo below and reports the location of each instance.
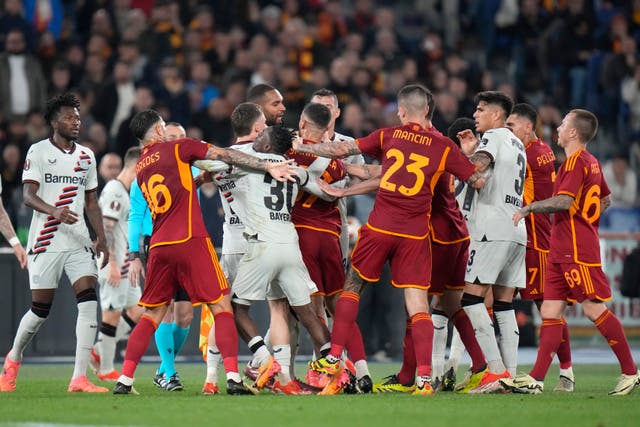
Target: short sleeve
(458, 164)
(490, 144)
(604, 187)
(372, 143)
(92, 173)
(32, 171)
(191, 150)
(111, 204)
(569, 182)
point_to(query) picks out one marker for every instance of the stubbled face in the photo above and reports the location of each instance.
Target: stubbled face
(520, 126)
(67, 123)
(273, 107)
(484, 116)
(329, 102)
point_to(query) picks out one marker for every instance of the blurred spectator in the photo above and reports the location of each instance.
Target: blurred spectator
(630, 92)
(37, 128)
(11, 174)
(13, 18)
(201, 82)
(215, 122)
(144, 100)
(622, 181)
(22, 84)
(109, 168)
(172, 92)
(60, 79)
(116, 99)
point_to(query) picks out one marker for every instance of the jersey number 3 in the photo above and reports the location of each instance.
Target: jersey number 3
(414, 167)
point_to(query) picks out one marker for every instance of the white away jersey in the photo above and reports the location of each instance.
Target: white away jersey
(467, 197)
(114, 203)
(262, 203)
(63, 179)
(501, 196)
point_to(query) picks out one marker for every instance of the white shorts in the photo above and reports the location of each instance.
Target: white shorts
(497, 263)
(273, 271)
(117, 299)
(229, 264)
(45, 269)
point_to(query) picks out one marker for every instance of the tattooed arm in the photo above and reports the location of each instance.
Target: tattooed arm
(281, 171)
(364, 171)
(558, 203)
(605, 202)
(339, 149)
(9, 233)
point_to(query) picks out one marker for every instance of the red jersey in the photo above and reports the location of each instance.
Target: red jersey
(164, 175)
(574, 234)
(413, 158)
(447, 223)
(309, 211)
(538, 185)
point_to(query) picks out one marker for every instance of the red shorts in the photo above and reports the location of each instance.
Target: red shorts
(322, 255)
(576, 283)
(450, 262)
(193, 265)
(536, 262)
(410, 259)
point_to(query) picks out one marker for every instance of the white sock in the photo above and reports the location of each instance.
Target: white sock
(509, 339)
(456, 351)
(440, 332)
(213, 361)
(123, 329)
(267, 340)
(107, 351)
(282, 354)
(125, 380)
(86, 327)
(261, 354)
(362, 369)
(29, 325)
(567, 373)
(234, 376)
(486, 336)
(294, 330)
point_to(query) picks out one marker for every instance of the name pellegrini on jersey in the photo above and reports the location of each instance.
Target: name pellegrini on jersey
(50, 178)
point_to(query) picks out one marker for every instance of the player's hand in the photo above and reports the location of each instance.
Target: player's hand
(101, 250)
(135, 271)
(296, 142)
(283, 171)
(202, 178)
(518, 215)
(21, 254)
(329, 189)
(468, 141)
(65, 215)
(114, 275)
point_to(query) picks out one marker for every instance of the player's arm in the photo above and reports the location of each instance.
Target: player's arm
(482, 161)
(281, 171)
(32, 200)
(339, 149)
(362, 187)
(109, 234)
(136, 216)
(363, 171)
(92, 209)
(561, 202)
(9, 233)
(605, 202)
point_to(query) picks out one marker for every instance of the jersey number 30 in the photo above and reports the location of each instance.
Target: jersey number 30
(281, 192)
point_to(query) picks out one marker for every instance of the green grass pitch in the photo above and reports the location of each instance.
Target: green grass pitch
(41, 399)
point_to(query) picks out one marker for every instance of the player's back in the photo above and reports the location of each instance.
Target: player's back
(164, 176)
(501, 196)
(538, 186)
(262, 203)
(413, 158)
(447, 222)
(233, 241)
(574, 235)
(114, 204)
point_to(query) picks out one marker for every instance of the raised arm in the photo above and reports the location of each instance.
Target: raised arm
(92, 209)
(334, 150)
(558, 203)
(281, 171)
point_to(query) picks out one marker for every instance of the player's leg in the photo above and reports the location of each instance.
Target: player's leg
(164, 343)
(505, 316)
(182, 315)
(416, 302)
(280, 342)
(107, 344)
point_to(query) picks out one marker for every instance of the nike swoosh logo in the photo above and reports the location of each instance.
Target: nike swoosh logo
(278, 350)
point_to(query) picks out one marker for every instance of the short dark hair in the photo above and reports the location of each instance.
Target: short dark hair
(494, 97)
(280, 138)
(586, 123)
(527, 111)
(416, 97)
(243, 117)
(176, 124)
(132, 155)
(460, 124)
(318, 114)
(324, 92)
(57, 102)
(258, 91)
(142, 122)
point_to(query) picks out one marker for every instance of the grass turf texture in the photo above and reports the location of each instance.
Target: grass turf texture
(41, 396)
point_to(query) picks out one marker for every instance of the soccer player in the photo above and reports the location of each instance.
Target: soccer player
(318, 224)
(10, 235)
(272, 267)
(538, 185)
(180, 249)
(270, 100)
(497, 249)
(413, 157)
(118, 298)
(574, 269)
(59, 183)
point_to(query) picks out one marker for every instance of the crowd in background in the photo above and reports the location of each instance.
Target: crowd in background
(194, 60)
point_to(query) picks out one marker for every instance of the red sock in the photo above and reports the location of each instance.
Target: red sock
(550, 338)
(408, 370)
(564, 351)
(468, 336)
(422, 333)
(137, 345)
(227, 340)
(355, 345)
(343, 321)
(610, 328)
